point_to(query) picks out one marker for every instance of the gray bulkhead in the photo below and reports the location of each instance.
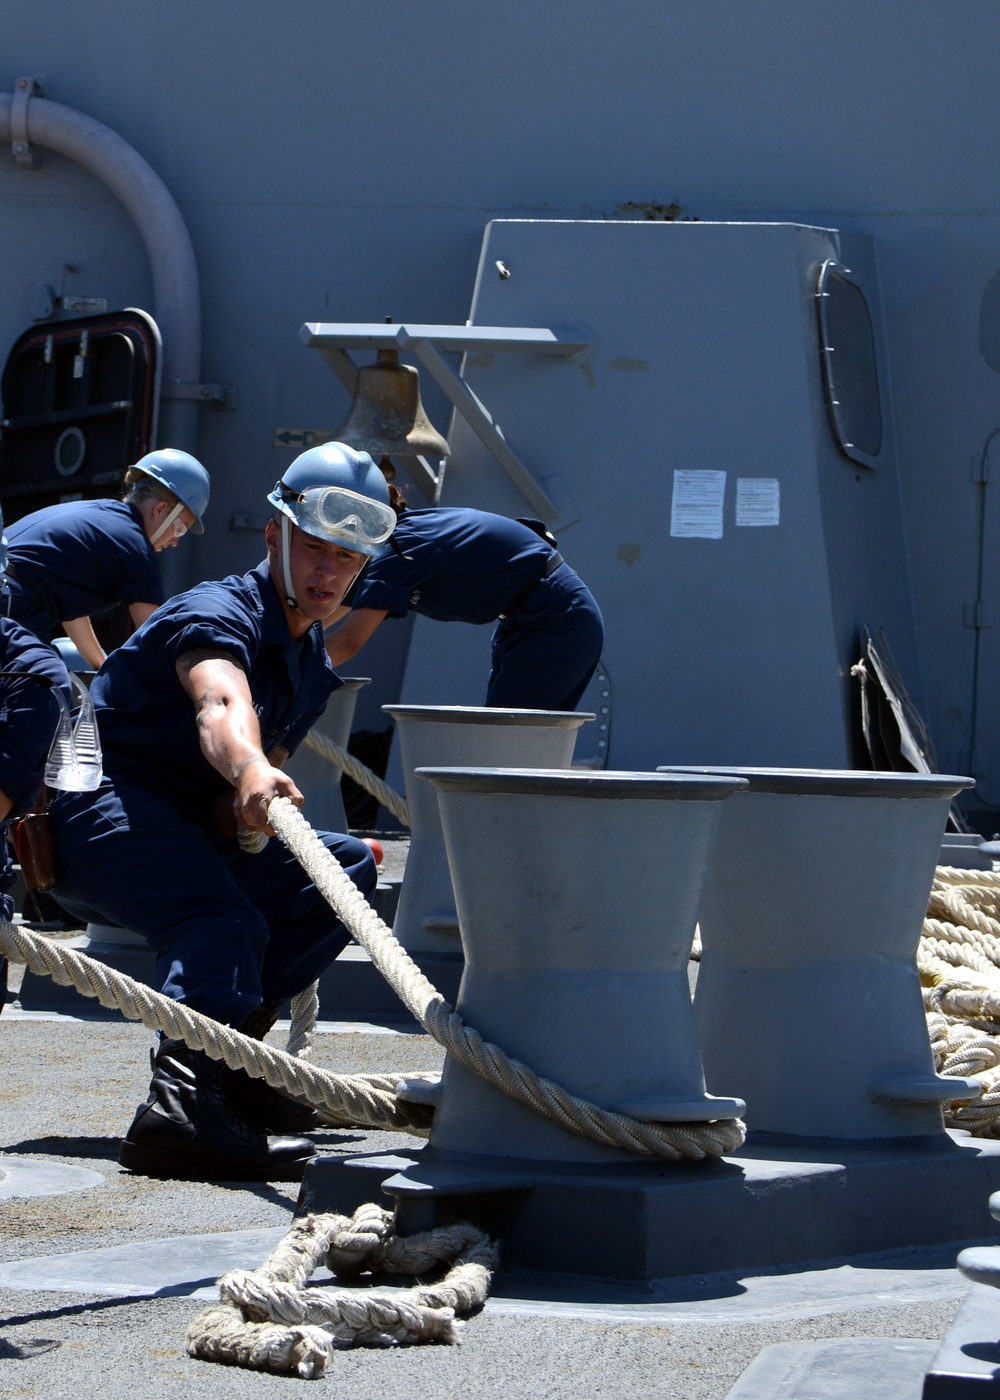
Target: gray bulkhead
(347, 163)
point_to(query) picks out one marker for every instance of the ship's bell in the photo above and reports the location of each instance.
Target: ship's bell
(387, 417)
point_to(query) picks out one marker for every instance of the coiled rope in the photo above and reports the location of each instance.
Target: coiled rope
(959, 963)
(341, 1095)
(364, 777)
(268, 1320)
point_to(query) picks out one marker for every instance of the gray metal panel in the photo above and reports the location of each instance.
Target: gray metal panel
(877, 119)
(862, 510)
(707, 359)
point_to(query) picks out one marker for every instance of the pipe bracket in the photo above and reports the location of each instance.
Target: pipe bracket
(24, 90)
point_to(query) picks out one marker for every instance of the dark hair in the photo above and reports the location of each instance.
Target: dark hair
(397, 500)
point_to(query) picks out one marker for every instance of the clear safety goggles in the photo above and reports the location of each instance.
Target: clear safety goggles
(74, 763)
(334, 513)
(172, 522)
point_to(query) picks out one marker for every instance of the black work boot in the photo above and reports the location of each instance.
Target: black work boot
(187, 1128)
(253, 1099)
(259, 1022)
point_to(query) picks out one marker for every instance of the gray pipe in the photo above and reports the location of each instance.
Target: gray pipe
(176, 292)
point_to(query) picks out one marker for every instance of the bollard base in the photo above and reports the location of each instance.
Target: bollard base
(968, 1361)
(772, 1205)
(353, 989)
(132, 959)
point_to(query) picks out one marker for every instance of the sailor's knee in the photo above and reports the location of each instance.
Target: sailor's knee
(356, 858)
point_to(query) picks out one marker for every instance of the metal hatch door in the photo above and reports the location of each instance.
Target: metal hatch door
(80, 400)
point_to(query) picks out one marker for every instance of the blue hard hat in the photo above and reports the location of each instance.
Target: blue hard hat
(338, 494)
(182, 474)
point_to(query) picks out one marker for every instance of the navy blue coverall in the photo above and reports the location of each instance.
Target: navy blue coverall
(231, 929)
(79, 559)
(30, 675)
(460, 565)
(29, 714)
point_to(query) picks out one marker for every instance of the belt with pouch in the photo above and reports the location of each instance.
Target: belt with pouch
(32, 834)
(525, 591)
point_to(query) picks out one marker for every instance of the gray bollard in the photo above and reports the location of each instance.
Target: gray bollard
(968, 1360)
(981, 1263)
(317, 778)
(458, 735)
(577, 896)
(808, 1001)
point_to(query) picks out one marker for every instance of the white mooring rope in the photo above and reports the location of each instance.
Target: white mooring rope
(364, 777)
(268, 1320)
(959, 962)
(369, 1100)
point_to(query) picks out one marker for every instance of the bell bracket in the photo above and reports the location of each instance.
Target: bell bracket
(428, 344)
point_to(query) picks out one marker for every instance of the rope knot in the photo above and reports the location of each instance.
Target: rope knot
(361, 1247)
(267, 1320)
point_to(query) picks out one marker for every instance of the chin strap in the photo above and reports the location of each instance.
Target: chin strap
(286, 546)
(168, 521)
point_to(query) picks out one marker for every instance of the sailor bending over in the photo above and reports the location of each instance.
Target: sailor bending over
(79, 559)
(460, 565)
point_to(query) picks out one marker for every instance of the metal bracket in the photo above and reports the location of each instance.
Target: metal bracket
(425, 343)
(220, 396)
(428, 481)
(977, 615)
(24, 90)
(246, 520)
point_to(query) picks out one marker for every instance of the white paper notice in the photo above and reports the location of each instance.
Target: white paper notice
(758, 501)
(696, 509)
